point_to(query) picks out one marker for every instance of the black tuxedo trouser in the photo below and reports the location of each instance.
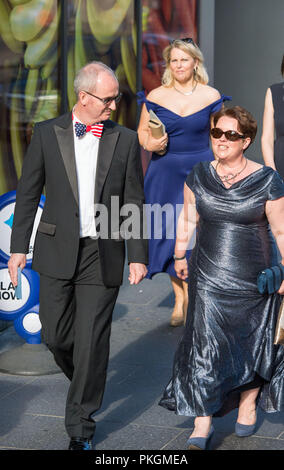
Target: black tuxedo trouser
(76, 320)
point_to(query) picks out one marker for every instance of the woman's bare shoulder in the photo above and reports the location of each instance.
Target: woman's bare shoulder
(157, 94)
(211, 93)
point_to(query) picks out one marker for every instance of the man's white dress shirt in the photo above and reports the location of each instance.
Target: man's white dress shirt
(86, 155)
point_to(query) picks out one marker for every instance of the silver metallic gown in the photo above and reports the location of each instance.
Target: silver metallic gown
(227, 344)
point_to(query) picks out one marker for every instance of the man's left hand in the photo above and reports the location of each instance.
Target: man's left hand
(137, 272)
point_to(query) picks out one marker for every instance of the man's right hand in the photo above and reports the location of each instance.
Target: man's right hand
(16, 260)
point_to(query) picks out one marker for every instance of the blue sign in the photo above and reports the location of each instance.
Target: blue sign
(28, 325)
(10, 306)
(23, 311)
(7, 206)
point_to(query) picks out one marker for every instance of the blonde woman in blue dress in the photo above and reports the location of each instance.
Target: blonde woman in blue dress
(184, 103)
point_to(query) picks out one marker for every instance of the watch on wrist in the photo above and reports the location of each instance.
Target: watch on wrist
(176, 258)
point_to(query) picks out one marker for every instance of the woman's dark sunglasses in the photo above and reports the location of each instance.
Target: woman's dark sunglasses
(217, 133)
(187, 40)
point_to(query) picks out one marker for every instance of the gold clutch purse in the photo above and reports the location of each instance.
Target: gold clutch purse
(279, 333)
(157, 128)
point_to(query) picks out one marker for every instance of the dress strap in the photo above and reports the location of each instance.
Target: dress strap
(226, 98)
(217, 104)
(141, 97)
(149, 104)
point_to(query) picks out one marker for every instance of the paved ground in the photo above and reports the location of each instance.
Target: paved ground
(142, 348)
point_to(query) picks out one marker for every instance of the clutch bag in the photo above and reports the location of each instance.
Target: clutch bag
(157, 128)
(279, 333)
(269, 280)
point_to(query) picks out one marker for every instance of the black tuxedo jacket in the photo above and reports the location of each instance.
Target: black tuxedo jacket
(50, 163)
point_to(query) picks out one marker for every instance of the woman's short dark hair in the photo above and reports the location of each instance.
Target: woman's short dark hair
(246, 122)
(282, 66)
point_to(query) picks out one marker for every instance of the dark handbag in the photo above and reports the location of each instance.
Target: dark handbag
(269, 280)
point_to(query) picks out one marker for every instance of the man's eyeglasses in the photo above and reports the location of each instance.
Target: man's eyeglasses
(233, 136)
(106, 101)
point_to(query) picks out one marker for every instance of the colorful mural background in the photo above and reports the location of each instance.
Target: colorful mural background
(163, 21)
(31, 53)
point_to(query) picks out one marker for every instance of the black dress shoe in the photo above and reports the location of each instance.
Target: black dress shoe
(79, 443)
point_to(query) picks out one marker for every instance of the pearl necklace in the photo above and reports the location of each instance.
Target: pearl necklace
(230, 176)
(186, 93)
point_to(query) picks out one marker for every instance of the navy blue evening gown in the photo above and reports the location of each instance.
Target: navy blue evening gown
(164, 181)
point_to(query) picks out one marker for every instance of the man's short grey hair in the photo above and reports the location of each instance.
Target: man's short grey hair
(86, 78)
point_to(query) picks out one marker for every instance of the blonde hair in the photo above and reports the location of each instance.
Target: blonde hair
(200, 75)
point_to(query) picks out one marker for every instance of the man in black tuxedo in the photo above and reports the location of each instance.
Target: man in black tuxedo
(89, 174)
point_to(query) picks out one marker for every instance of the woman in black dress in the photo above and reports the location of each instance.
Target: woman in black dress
(226, 357)
(273, 123)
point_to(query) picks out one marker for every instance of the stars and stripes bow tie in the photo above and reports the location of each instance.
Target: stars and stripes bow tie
(81, 129)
